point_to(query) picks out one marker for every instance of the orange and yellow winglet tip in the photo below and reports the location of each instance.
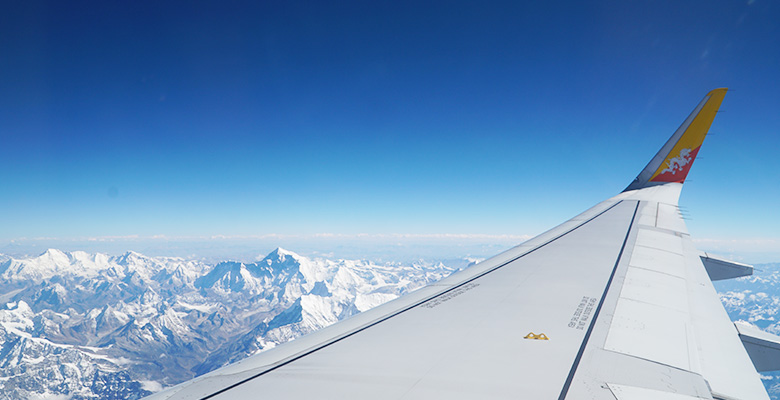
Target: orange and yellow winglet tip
(720, 91)
(679, 160)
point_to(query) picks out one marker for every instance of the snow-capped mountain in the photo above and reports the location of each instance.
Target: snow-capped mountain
(33, 366)
(92, 326)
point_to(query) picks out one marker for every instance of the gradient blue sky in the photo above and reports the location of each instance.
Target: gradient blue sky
(193, 119)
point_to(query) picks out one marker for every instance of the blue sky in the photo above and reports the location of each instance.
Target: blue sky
(500, 119)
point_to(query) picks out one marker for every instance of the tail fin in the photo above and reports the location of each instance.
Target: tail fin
(674, 160)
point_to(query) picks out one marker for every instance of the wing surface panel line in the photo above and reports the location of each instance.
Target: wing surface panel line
(425, 300)
(648, 360)
(595, 317)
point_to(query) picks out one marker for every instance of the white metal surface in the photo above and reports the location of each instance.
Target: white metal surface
(467, 341)
(620, 292)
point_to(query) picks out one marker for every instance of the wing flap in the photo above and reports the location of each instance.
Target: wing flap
(650, 332)
(720, 268)
(762, 347)
(652, 312)
(625, 392)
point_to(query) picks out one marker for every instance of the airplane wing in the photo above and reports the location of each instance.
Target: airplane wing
(616, 303)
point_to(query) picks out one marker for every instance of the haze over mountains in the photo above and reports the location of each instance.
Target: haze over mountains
(89, 326)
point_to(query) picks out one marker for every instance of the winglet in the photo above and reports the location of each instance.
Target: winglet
(674, 160)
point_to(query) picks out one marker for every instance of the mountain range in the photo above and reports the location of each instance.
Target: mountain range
(88, 326)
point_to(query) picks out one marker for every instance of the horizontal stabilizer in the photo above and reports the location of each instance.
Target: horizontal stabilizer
(762, 347)
(719, 268)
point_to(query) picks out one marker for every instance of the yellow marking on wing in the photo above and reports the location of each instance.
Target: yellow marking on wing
(540, 336)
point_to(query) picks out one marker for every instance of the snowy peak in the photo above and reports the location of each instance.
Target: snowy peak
(57, 256)
(228, 276)
(280, 260)
(49, 263)
(283, 265)
(132, 262)
(130, 258)
(54, 263)
(280, 254)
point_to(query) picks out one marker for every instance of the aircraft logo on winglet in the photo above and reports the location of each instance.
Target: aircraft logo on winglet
(675, 164)
(677, 167)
